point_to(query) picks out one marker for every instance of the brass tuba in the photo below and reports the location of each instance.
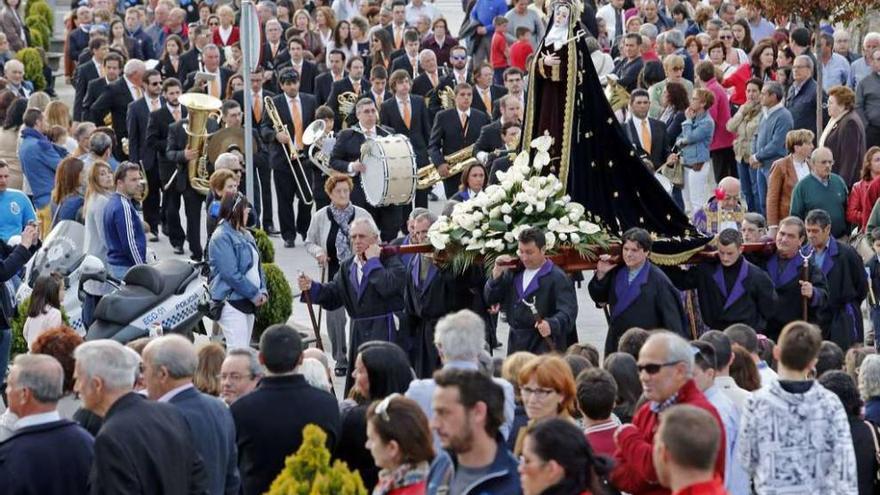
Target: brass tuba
(318, 139)
(457, 162)
(200, 108)
(346, 102)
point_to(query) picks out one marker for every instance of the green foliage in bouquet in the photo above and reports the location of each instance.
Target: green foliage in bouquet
(280, 304)
(487, 226)
(308, 471)
(19, 345)
(33, 67)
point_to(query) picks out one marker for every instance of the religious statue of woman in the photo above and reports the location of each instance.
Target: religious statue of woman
(591, 153)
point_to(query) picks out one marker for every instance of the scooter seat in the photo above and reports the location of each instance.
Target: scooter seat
(145, 287)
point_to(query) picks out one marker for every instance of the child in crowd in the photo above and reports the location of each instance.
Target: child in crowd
(498, 54)
(44, 312)
(57, 134)
(521, 48)
(596, 393)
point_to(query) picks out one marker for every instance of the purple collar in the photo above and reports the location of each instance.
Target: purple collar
(738, 290)
(416, 271)
(370, 265)
(627, 292)
(789, 273)
(524, 292)
(831, 251)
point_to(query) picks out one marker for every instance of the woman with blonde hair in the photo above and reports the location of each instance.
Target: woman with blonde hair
(39, 100)
(99, 187)
(673, 67)
(207, 375)
(325, 24)
(548, 391)
(302, 21)
(58, 113)
(227, 33)
(513, 364)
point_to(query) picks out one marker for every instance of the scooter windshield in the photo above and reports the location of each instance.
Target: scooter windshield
(62, 250)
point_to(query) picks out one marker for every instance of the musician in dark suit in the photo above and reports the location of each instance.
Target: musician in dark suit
(261, 155)
(354, 83)
(346, 158)
(378, 85)
(490, 140)
(648, 136)
(191, 60)
(297, 111)
(293, 57)
(116, 99)
(458, 58)
(429, 76)
(157, 141)
(137, 122)
(86, 73)
(484, 91)
(397, 27)
(407, 114)
(511, 132)
(211, 65)
(409, 59)
(112, 68)
(273, 48)
(324, 81)
(177, 151)
(455, 129)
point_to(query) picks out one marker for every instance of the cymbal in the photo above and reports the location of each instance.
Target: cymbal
(220, 142)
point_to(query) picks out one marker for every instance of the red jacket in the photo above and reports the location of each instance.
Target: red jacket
(714, 487)
(498, 54)
(720, 113)
(634, 470)
(415, 489)
(738, 81)
(861, 202)
(234, 37)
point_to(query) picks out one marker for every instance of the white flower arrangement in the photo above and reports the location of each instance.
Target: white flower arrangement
(488, 225)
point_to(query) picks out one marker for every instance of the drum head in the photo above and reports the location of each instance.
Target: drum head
(374, 177)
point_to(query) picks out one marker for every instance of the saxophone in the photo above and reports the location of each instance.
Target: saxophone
(457, 162)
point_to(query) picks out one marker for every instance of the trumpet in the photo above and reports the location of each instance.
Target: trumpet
(298, 171)
(457, 162)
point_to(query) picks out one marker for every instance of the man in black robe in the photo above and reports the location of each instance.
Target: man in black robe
(431, 293)
(841, 318)
(730, 289)
(539, 299)
(639, 293)
(786, 270)
(370, 289)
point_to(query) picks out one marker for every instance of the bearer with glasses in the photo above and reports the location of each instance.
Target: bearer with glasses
(666, 364)
(639, 294)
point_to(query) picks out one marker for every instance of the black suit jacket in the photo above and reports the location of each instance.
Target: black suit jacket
(342, 86)
(447, 135)
(167, 69)
(323, 86)
(96, 87)
(422, 86)
(390, 29)
(419, 130)
(306, 77)
(238, 96)
(189, 84)
(494, 91)
(267, 130)
(191, 60)
(157, 139)
(490, 138)
(659, 141)
(447, 81)
(146, 447)
(175, 147)
(137, 123)
(115, 101)
(84, 74)
(269, 425)
(267, 61)
(402, 62)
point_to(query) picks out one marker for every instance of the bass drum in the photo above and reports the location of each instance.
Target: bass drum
(391, 173)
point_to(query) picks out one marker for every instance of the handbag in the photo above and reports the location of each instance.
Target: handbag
(212, 309)
(873, 429)
(675, 172)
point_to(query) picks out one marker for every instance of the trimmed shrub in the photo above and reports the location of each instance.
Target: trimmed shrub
(264, 246)
(280, 304)
(41, 9)
(308, 471)
(33, 67)
(41, 33)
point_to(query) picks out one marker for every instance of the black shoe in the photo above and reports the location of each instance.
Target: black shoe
(290, 243)
(178, 249)
(270, 230)
(340, 371)
(196, 257)
(154, 237)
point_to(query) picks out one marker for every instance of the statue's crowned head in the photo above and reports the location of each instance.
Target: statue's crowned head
(563, 10)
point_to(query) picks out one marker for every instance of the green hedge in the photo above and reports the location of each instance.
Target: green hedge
(33, 67)
(41, 33)
(41, 9)
(280, 304)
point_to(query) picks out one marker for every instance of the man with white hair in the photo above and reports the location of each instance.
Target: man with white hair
(370, 289)
(665, 364)
(143, 446)
(115, 100)
(31, 460)
(211, 65)
(169, 364)
(861, 68)
(240, 373)
(13, 71)
(459, 339)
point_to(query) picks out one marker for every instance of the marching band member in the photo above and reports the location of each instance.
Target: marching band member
(455, 129)
(297, 111)
(354, 83)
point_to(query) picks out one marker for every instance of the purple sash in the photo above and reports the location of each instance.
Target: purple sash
(524, 292)
(369, 266)
(738, 290)
(416, 271)
(790, 272)
(628, 292)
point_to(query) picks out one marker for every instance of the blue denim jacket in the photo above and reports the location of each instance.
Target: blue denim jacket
(695, 138)
(230, 254)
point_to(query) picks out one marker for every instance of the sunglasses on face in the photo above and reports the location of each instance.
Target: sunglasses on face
(654, 368)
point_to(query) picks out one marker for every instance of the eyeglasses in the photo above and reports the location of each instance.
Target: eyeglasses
(654, 368)
(538, 393)
(382, 408)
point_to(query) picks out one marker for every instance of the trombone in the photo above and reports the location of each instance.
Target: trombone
(298, 171)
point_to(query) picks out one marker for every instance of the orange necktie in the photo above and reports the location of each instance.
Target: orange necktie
(215, 87)
(407, 116)
(258, 109)
(297, 124)
(463, 117)
(487, 100)
(646, 137)
(398, 37)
